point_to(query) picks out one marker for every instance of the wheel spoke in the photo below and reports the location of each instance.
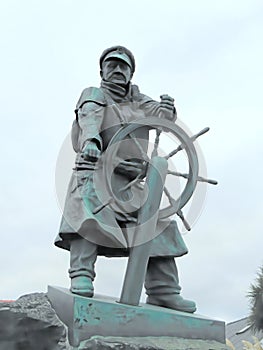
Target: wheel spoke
(131, 183)
(210, 181)
(156, 142)
(176, 173)
(171, 154)
(181, 216)
(168, 195)
(181, 147)
(102, 206)
(200, 133)
(179, 211)
(143, 153)
(199, 178)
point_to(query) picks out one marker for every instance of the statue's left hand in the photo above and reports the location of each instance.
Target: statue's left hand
(167, 108)
(131, 169)
(91, 152)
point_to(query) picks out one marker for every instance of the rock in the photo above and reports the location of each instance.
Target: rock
(30, 323)
(149, 343)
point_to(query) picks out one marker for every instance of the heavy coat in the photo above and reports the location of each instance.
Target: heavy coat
(98, 118)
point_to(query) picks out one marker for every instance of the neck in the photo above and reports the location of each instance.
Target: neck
(116, 91)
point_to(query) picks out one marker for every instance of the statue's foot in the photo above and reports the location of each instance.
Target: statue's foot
(82, 285)
(172, 301)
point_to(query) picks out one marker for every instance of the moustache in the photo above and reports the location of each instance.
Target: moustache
(117, 74)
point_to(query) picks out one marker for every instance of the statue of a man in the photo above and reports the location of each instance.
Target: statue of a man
(100, 112)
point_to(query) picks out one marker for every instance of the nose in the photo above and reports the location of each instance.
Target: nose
(118, 69)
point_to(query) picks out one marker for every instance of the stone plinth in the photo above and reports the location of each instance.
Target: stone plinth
(104, 316)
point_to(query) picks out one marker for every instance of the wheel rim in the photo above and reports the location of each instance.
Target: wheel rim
(188, 146)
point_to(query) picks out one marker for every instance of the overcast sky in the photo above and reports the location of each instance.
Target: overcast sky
(206, 54)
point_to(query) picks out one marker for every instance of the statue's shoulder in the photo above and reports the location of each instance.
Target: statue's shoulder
(91, 94)
(138, 96)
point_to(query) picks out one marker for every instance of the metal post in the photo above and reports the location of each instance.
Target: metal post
(147, 219)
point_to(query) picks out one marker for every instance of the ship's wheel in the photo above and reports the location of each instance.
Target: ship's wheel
(186, 142)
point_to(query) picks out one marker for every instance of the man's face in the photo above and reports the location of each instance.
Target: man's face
(116, 71)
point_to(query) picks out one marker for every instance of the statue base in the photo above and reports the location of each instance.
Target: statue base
(104, 316)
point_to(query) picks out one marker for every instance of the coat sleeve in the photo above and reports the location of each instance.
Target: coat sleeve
(86, 125)
(152, 108)
(75, 131)
(90, 125)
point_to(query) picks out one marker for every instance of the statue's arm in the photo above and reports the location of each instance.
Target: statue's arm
(85, 132)
(75, 131)
(163, 109)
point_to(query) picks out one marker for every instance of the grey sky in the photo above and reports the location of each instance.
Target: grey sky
(208, 55)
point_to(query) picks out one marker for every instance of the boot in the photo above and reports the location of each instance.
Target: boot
(83, 255)
(162, 285)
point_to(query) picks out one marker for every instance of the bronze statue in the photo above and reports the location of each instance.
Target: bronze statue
(91, 227)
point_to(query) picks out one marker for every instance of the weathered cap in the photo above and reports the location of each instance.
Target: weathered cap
(119, 52)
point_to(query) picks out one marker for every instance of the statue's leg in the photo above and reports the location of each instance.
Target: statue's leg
(162, 285)
(83, 255)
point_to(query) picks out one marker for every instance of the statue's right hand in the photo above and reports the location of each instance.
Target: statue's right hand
(91, 152)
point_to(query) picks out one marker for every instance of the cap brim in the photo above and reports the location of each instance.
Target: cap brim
(116, 55)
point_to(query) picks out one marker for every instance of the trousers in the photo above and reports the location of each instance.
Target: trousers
(161, 274)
